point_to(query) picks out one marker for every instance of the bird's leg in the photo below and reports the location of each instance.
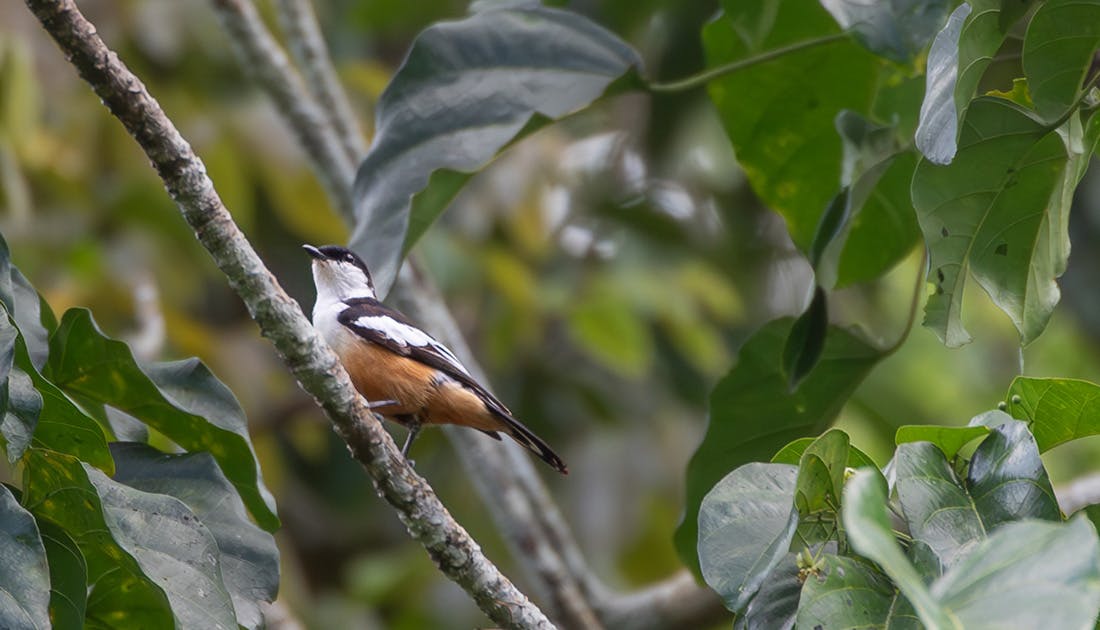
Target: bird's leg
(374, 404)
(414, 428)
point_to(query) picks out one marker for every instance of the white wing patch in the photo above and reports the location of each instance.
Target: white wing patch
(406, 335)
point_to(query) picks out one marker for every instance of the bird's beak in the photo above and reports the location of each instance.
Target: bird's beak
(314, 252)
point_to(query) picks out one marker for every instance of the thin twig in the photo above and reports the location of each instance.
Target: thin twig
(266, 60)
(307, 44)
(281, 320)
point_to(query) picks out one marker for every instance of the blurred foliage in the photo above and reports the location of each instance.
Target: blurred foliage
(606, 271)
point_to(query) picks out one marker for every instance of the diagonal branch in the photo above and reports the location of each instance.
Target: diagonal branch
(281, 320)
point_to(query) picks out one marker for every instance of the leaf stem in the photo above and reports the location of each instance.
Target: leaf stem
(701, 79)
(1077, 103)
(913, 304)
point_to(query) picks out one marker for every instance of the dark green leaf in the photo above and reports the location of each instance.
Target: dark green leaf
(792, 454)
(57, 489)
(1030, 574)
(248, 557)
(806, 341)
(776, 113)
(172, 547)
(1012, 11)
(30, 311)
(775, 604)
(849, 593)
(24, 575)
(68, 578)
(182, 400)
(467, 90)
(867, 525)
(832, 223)
(1061, 41)
(752, 414)
(896, 29)
(936, 506)
(1007, 480)
(972, 35)
(821, 474)
(986, 213)
(948, 439)
(1058, 410)
(746, 525)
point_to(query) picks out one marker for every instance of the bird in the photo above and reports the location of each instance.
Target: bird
(403, 372)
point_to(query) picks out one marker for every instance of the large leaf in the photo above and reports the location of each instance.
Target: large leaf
(182, 400)
(17, 425)
(1007, 480)
(949, 439)
(1062, 38)
(247, 554)
(775, 604)
(897, 29)
(746, 525)
(24, 575)
(68, 578)
(849, 593)
(1030, 574)
(821, 474)
(792, 454)
(467, 90)
(752, 415)
(57, 488)
(1058, 410)
(867, 525)
(779, 114)
(972, 35)
(986, 214)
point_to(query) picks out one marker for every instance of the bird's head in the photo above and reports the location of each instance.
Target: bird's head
(339, 274)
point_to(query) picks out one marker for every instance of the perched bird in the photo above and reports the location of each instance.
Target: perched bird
(406, 375)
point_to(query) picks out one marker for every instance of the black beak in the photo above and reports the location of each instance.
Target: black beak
(314, 252)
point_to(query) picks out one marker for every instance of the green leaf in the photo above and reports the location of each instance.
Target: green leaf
(1058, 410)
(968, 41)
(57, 488)
(247, 555)
(1030, 574)
(895, 29)
(948, 439)
(24, 574)
(61, 425)
(776, 603)
(1007, 480)
(849, 593)
(182, 400)
(467, 90)
(806, 341)
(1062, 38)
(867, 525)
(752, 414)
(746, 525)
(821, 474)
(792, 454)
(16, 429)
(986, 213)
(777, 113)
(68, 578)
(833, 222)
(172, 547)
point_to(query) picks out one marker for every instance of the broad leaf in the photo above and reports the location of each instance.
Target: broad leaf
(752, 415)
(806, 341)
(779, 114)
(1030, 574)
(849, 593)
(1007, 480)
(775, 604)
(746, 525)
(467, 90)
(24, 575)
(247, 555)
(867, 525)
(1061, 41)
(896, 29)
(792, 454)
(1058, 410)
(986, 214)
(68, 578)
(57, 488)
(948, 439)
(16, 428)
(821, 474)
(972, 35)
(182, 400)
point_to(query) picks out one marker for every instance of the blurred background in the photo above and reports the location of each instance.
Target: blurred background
(605, 272)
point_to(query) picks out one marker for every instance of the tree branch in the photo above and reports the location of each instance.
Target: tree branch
(262, 57)
(307, 44)
(281, 320)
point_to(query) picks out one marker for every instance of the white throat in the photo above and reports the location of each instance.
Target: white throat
(338, 282)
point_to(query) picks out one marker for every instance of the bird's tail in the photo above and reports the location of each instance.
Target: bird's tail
(527, 439)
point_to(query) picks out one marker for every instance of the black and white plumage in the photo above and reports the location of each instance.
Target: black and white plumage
(407, 375)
